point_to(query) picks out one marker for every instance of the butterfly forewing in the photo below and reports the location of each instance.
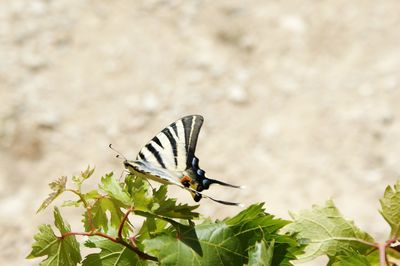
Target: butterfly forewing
(174, 147)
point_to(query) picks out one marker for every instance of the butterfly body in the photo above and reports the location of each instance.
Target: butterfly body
(190, 178)
(169, 158)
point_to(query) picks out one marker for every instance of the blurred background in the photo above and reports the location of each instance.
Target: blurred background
(300, 100)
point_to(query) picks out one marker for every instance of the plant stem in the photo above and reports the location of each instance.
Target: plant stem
(90, 234)
(121, 225)
(382, 250)
(87, 207)
(382, 253)
(141, 254)
(80, 196)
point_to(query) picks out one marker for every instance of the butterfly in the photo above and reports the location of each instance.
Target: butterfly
(169, 158)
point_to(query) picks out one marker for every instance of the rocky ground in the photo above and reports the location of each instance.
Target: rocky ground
(300, 99)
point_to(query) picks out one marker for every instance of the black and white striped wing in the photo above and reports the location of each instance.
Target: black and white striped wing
(174, 147)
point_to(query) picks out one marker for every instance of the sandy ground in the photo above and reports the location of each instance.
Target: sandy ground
(300, 99)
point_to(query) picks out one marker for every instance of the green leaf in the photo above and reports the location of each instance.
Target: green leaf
(110, 254)
(83, 176)
(164, 206)
(212, 244)
(151, 227)
(114, 189)
(349, 258)
(254, 225)
(92, 195)
(157, 201)
(221, 243)
(105, 212)
(59, 250)
(58, 187)
(139, 192)
(71, 203)
(87, 173)
(326, 232)
(259, 255)
(390, 204)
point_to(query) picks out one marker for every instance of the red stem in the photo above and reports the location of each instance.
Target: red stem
(118, 240)
(121, 225)
(89, 234)
(141, 254)
(90, 215)
(90, 219)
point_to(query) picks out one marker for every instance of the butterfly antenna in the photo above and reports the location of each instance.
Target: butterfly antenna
(119, 155)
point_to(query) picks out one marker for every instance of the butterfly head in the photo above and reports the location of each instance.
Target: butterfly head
(127, 164)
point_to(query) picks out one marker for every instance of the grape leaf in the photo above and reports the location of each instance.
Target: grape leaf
(259, 255)
(59, 251)
(92, 195)
(220, 243)
(87, 173)
(110, 254)
(157, 201)
(390, 204)
(139, 192)
(211, 244)
(351, 257)
(326, 232)
(83, 176)
(161, 205)
(114, 189)
(58, 188)
(100, 219)
(71, 203)
(254, 223)
(150, 227)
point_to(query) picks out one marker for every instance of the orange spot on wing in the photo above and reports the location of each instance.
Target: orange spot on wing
(186, 178)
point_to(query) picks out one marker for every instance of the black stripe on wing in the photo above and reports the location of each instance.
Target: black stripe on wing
(141, 156)
(192, 125)
(157, 140)
(172, 142)
(174, 147)
(187, 126)
(173, 125)
(156, 154)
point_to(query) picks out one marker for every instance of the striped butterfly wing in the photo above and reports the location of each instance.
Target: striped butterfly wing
(174, 147)
(171, 152)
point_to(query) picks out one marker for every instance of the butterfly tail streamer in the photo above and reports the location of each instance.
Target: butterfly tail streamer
(211, 198)
(214, 181)
(225, 202)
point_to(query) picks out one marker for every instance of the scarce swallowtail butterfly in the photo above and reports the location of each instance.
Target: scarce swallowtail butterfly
(169, 158)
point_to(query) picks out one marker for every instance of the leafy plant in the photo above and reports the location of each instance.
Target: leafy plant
(175, 234)
(168, 234)
(324, 231)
